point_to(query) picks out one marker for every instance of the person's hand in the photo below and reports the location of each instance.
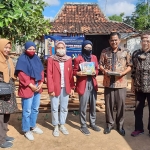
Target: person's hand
(122, 74)
(71, 93)
(39, 87)
(80, 73)
(1, 79)
(94, 73)
(132, 87)
(45, 80)
(52, 93)
(105, 72)
(33, 87)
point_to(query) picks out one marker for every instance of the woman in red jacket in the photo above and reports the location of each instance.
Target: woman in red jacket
(86, 87)
(29, 70)
(60, 84)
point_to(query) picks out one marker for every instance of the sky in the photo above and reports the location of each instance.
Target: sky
(112, 7)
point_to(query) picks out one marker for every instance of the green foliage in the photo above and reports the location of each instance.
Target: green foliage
(22, 20)
(116, 17)
(129, 20)
(142, 16)
(140, 19)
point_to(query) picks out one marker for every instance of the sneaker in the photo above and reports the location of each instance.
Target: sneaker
(29, 135)
(6, 145)
(56, 131)
(37, 130)
(85, 130)
(63, 130)
(9, 139)
(95, 128)
(136, 133)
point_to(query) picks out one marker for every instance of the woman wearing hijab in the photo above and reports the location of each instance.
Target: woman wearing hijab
(29, 70)
(86, 87)
(7, 102)
(60, 84)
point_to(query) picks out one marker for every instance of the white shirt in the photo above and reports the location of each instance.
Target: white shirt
(61, 64)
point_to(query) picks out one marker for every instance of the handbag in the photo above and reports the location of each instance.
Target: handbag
(5, 88)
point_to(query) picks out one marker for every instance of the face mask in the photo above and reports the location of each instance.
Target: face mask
(60, 52)
(87, 52)
(30, 53)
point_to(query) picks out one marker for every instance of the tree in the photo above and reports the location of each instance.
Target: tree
(116, 17)
(130, 20)
(22, 20)
(142, 16)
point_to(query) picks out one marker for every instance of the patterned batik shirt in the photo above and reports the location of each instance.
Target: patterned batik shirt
(117, 62)
(141, 70)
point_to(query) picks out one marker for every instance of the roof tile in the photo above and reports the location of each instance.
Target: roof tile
(86, 18)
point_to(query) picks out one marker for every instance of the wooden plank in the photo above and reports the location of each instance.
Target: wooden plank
(74, 100)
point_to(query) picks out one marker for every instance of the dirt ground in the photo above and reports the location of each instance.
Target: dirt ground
(76, 140)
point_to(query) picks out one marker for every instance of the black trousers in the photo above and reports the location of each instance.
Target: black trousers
(4, 118)
(139, 106)
(115, 97)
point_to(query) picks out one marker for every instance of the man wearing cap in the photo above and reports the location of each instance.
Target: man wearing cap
(141, 82)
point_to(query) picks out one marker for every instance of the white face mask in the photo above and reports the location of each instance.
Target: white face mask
(60, 52)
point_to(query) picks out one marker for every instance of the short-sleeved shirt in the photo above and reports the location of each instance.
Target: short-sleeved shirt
(117, 62)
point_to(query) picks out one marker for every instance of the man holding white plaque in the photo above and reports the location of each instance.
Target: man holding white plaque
(115, 63)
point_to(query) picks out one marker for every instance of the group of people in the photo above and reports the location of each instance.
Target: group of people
(60, 82)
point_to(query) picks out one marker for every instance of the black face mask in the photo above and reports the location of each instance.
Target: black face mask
(88, 52)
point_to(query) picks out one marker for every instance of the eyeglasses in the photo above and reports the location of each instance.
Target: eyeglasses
(7, 48)
(145, 41)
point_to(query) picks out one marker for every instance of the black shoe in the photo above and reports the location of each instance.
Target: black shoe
(6, 145)
(107, 130)
(85, 130)
(121, 132)
(95, 128)
(9, 139)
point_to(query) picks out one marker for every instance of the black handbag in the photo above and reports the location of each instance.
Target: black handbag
(5, 88)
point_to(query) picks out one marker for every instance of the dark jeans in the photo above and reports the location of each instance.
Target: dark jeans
(4, 118)
(140, 103)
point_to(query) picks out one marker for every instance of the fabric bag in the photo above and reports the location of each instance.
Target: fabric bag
(5, 88)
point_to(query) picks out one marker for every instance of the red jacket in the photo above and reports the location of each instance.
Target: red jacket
(54, 76)
(24, 90)
(81, 81)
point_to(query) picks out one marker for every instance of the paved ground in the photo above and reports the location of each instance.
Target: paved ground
(76, 140)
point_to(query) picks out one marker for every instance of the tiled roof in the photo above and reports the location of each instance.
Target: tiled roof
(85, 18)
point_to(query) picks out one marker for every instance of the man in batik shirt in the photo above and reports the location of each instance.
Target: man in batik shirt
(115, 59)
(141, 82)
